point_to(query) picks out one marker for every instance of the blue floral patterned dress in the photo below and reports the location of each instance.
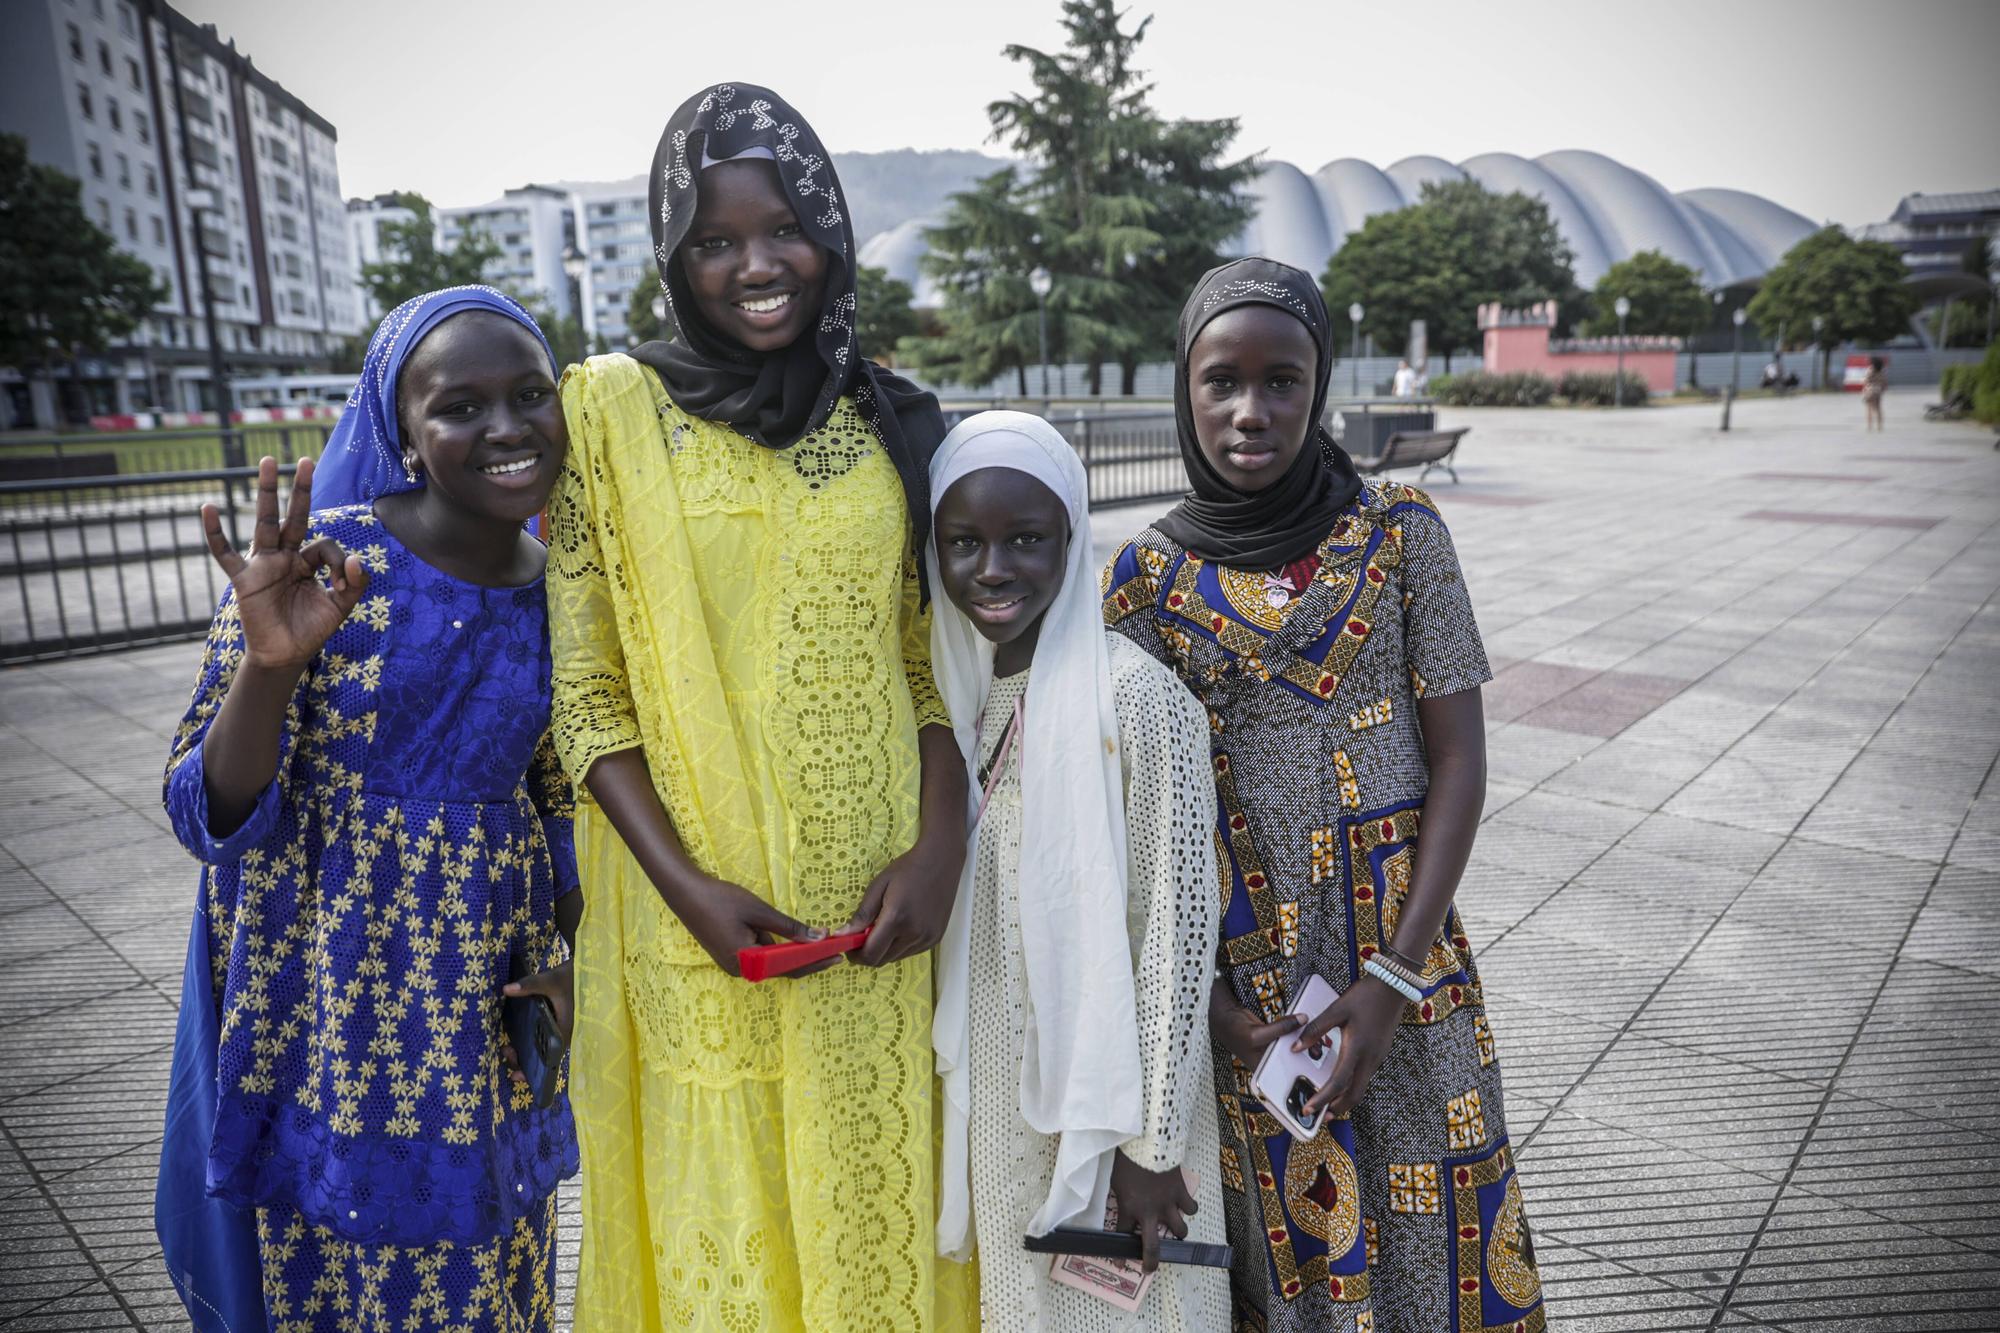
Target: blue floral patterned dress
(360, 925)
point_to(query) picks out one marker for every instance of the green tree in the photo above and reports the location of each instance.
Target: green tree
(641, 324)
(1438, 260)
(882, 316)
(1666, 296)
(412, 263)
(981, 255)
(65, 286)
(1127, 209)
(1855, 288)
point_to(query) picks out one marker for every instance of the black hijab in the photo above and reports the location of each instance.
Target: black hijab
(1275, 526)
(776, 398)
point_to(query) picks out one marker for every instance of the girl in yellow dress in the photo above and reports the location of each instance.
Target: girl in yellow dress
(743, 692)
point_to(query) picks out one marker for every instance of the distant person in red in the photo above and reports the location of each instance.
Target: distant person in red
(1872, 389)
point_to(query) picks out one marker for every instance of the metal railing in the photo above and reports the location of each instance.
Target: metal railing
(94, 564)
(115, 559)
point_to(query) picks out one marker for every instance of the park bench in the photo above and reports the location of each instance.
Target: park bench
(1413, 448)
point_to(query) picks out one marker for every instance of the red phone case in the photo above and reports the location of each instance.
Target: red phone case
(760, 962)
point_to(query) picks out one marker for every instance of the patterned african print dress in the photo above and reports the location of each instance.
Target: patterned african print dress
(758, 1156)
(361, 923)
(1405, 1217)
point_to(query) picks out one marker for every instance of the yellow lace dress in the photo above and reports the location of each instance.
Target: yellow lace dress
(749, 616)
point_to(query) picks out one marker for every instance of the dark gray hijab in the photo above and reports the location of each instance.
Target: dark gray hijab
(1273, 527)
(777, 398)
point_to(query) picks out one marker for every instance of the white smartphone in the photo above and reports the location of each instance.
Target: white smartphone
(1287, 1079)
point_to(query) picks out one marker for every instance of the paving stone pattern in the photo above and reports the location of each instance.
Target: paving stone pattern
(1732, 895)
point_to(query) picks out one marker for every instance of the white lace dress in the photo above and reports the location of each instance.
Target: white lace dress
(1173, 920)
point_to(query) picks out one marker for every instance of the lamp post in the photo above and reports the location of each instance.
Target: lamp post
(574, 265)
(1736, 318)
(1624, 308)
(1041, 282)
(1818, 324)
(1354, 313)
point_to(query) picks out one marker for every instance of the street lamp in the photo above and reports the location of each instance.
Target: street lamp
(1736, 318)
(1624, 308)
(574, 264)
(1354, 313)
(1041, 282)
(1818, 324)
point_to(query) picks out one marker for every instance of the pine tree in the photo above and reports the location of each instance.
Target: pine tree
(1127, 210)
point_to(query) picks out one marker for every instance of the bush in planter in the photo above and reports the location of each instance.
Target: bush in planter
(1595, 387)
(1481, 389)
(1970, 380)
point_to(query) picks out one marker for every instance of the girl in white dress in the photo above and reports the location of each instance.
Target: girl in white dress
(1073, 982)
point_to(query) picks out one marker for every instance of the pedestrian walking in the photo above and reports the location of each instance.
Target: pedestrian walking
(743, 687)
(1325, 624)
(1073, 984)
(1872, 388)
(364, 772)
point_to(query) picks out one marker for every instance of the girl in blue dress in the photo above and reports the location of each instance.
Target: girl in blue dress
(365, 774)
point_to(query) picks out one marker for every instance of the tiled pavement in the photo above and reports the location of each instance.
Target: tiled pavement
(1732, 897)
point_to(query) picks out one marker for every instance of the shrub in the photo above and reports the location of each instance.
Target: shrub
(1979, 382)
(1595, 386)
(1986, 386)
(1521, 388)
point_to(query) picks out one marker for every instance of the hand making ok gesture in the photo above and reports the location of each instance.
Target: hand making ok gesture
(287, 611)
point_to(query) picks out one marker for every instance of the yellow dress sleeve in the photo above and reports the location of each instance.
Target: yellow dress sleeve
(916, 622)
(592, 714)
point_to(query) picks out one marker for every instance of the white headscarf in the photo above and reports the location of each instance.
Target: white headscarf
(1080, 1078)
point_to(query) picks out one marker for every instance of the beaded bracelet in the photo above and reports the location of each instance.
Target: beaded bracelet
(1390, 959)
(1374, 968)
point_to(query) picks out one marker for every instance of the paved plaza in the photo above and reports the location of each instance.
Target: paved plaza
(1731, 898)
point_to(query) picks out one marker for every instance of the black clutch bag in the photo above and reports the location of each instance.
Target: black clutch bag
(530, 1021)
(1125, 1245)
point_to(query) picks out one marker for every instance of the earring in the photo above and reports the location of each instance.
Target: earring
(410, 467)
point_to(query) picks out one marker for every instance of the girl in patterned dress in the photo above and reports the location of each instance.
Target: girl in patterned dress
(364, 771)
(1073, 984)
(744, 695)
(1325, 624)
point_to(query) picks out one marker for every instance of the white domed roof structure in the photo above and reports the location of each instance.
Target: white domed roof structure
(900, 250)
(1605, 210)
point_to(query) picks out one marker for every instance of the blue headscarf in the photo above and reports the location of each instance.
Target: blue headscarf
(363, 457)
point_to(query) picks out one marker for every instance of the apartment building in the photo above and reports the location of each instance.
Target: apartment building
(365, 220)
(534, 228)
(618, 250)
(187, 154)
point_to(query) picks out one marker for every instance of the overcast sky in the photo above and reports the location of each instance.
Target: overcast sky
(1836, 108)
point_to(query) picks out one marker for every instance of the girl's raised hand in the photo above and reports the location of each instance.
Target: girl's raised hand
(287, 612)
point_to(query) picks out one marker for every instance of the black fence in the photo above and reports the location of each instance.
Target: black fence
(101, 547)
(94, 564)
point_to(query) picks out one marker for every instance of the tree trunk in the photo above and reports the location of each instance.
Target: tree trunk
(1021, 374)
(1447, 361)
(1096, 378)
(1128, 378)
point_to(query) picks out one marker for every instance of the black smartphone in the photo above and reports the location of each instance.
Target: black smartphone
(532, 1032)
(1125, 1245)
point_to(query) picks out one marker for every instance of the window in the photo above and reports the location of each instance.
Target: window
(131, 225)
(287, 228)
(126, 23)
(75, 42)
(159, 231)
(297, 300)
(112, 113)
(222, 122)
(104, 56)
(142, 126)
(132, 73)
(152, 184)
(124, 172)
(96, 160)
(104, 213)
(83, 100)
